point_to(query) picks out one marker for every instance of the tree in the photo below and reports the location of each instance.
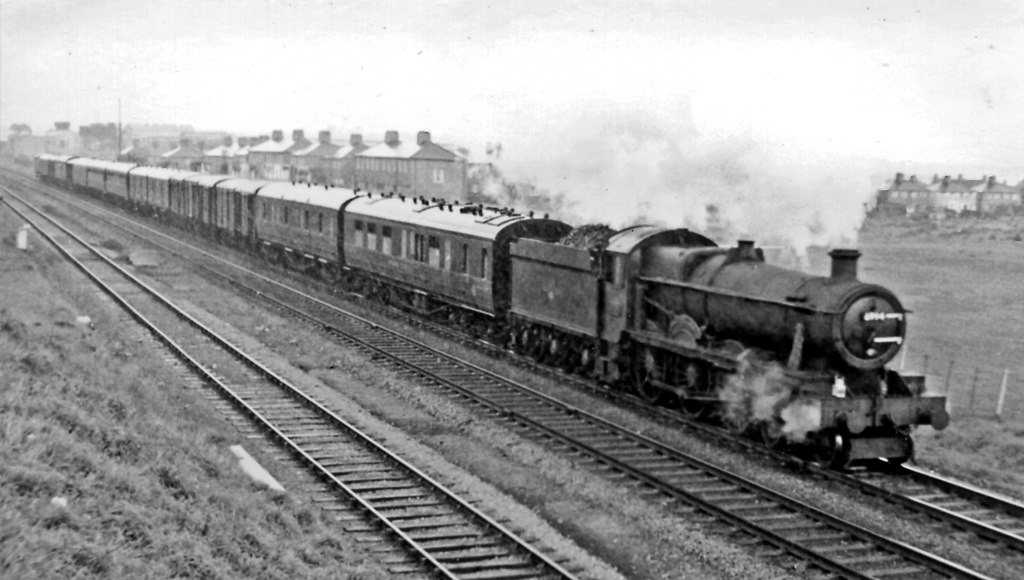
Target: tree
(19, 130)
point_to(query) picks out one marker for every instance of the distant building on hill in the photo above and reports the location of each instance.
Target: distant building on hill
(984, 196)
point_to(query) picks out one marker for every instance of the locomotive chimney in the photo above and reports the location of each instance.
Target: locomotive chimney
(844, 265)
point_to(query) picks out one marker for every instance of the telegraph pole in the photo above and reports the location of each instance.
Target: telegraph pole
(119, 147)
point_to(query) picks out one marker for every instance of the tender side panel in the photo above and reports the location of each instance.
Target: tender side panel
(556, 285)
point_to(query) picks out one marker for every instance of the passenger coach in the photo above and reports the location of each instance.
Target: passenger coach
(300, 225)
(431, 253)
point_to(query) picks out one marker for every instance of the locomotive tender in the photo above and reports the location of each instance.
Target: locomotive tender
(663, 311)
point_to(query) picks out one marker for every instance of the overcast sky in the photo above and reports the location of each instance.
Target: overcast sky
(932, 82)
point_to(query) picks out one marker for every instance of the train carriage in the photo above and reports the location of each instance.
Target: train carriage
(234, 206)
(200, 207)
(150, 187)
(53, 168)
(300, 224)
(439, 252)
(180, 192)
(89, 174)
(116, 181)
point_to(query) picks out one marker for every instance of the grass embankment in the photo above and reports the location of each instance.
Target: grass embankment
(108, 468)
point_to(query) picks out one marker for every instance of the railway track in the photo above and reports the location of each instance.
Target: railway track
(439, 533)
(684, 482)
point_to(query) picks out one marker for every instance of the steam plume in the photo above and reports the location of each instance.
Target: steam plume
(627, 167)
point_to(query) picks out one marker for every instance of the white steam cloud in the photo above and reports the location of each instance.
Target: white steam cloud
(759, 392)
(623, 168)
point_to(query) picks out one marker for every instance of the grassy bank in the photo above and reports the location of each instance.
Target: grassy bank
(109, 468)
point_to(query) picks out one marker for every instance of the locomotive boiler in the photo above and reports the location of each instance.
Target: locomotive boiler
(784, 355)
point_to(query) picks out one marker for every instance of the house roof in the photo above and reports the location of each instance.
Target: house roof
(271, 146)
(346, 150)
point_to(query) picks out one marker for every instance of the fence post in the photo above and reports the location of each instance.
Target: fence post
(949, 373)
(974, 388)
(1002, 394)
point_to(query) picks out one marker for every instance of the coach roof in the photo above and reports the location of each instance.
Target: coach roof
(331, 197)
(206, 180)
(434, 215)
(161, 173)
(91, 163)
(243, 185)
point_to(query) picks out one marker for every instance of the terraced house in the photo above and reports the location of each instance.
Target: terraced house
(420, 168)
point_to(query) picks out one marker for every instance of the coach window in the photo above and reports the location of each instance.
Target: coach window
(358, 239)
(434, 252)
(371, 236)
(320, 222)
(285, 220)
(420, 247)
(385, 239)
(464, 259)
(305, 220)
(448, 255)
(485, 264)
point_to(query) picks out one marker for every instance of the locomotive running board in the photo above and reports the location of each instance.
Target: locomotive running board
(720, 360)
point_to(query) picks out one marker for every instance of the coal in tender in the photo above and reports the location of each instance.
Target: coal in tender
(590, 236)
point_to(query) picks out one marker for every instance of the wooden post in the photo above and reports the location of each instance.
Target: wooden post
(1002, 394)
(974, 388)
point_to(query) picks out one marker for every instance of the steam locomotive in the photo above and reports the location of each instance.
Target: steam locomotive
(779, 354)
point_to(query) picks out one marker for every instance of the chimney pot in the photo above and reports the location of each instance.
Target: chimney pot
(844, 264)
(423, 138)
(297, 135)
(325, 137)
(277, 135)
(391, 138)
(227, 141)
(355, 139)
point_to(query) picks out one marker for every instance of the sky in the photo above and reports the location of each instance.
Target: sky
(652, 101)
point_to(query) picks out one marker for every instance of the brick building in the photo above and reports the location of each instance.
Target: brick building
(186, 156)
(904, 196)
(420, 168)
(272, 159)
(997, 198)
(341, 167)
(312, 163)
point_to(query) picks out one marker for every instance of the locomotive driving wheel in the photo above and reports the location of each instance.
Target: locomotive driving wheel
(643, 371)
(689, 405)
